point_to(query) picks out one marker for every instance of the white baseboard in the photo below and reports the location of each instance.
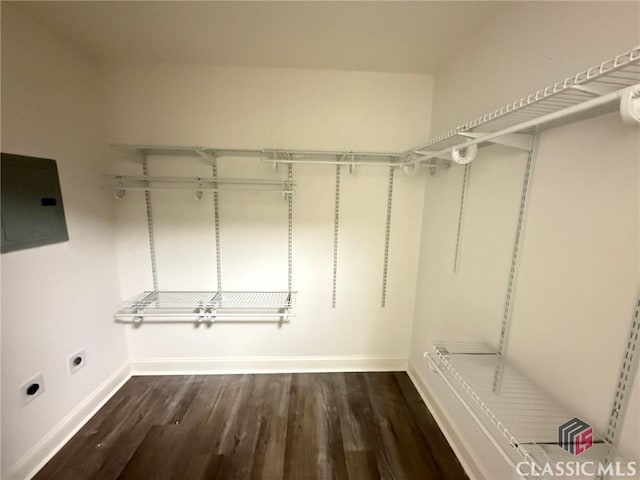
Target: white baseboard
(204, 366)
(466, 458)
(45, 449)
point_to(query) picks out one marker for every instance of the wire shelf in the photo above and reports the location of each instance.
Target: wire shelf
(519, 416)
(147, 183)
(208, 306)
(589, 93)
(614, 74)
(272, 154)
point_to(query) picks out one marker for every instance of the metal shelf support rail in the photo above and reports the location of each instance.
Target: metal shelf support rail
(463, 197)
(336, 223)
(150, 233)
(216, 223)
(387, 236)
(626, 377)
(515, 263)
(290, 231)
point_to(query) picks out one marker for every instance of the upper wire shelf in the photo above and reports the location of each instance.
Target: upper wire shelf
(592, 92)
(517, 415)
(270, 154)
(614, 74)
(208, 306)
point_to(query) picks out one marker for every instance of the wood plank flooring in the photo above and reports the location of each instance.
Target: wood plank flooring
(355, 426)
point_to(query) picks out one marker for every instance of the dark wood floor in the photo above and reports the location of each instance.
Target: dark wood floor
(290, 426)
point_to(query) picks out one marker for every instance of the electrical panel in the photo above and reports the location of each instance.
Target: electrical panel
(32, 209)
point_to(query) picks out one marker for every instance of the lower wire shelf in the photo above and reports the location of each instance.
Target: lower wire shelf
(521, 421)
(207, 307)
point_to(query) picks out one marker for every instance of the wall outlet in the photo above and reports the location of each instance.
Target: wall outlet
(32, 388)
(77, 361)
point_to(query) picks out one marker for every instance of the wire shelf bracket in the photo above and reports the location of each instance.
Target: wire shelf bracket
(626, 377)
(461, 210)
(519, 141)
(289, 198)
(512, 281)
(387, 238)
(216, 223)
(150, 230)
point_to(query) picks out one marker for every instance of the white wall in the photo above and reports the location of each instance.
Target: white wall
(578, 275)
(262, 108)
(56, 299)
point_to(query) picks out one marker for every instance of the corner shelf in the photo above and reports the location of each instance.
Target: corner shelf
(517, 416)
(595, 91)
(208, 307)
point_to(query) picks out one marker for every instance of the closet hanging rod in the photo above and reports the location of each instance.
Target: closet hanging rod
(338, 162)
(331, 153)
(123, 183)
(207, 316)
(280, 320)
(588, 105)
(201, 180)
(200, 189)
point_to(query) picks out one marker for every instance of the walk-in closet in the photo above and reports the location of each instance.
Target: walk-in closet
(320, 240)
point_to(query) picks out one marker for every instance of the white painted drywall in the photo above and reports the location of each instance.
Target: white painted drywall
(266, 108)
(56, 299)
(579, 266)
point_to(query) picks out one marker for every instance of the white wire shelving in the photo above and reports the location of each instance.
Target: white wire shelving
(592, 92)
(278, 156)
(603, 88)
(519, 418)
(208, 307)
(612, 84)
(122, 183)
(201, 307)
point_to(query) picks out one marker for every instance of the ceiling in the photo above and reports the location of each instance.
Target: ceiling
(392, 36)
